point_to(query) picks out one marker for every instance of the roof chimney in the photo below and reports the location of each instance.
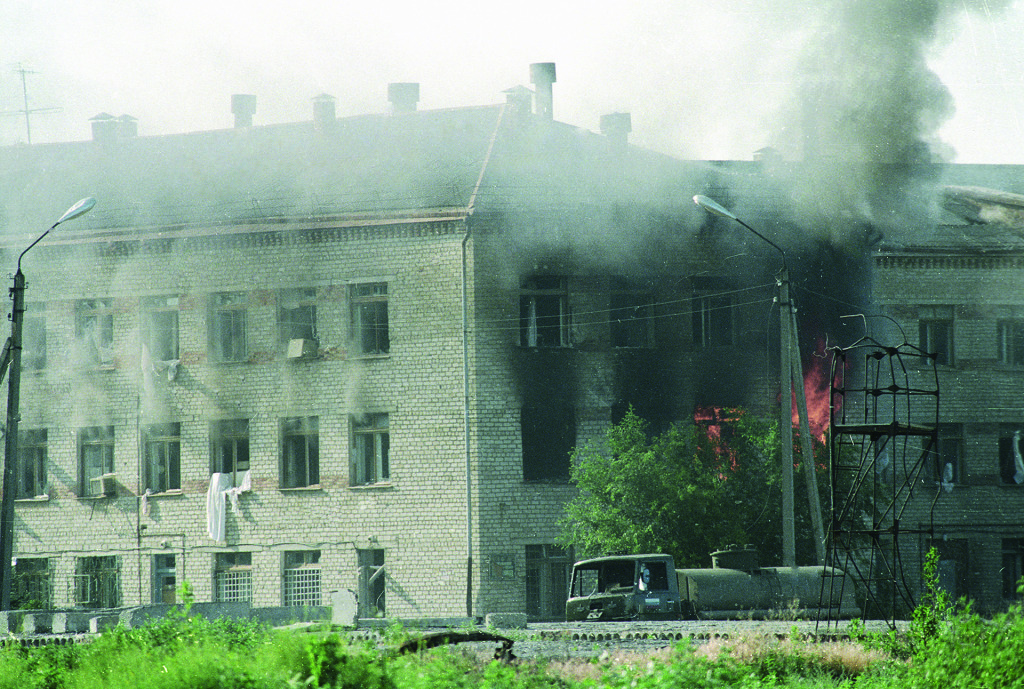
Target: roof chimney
(403, 96)
(617, 126)
(243, 107)
(323, 112)
(542, 76)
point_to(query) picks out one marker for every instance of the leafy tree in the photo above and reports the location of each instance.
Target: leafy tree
(686, 492)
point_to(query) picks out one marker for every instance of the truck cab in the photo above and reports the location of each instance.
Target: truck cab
(625, 587)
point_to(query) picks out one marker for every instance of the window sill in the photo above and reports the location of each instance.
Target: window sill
(96, 497)
(37, 498)
(372, 355)
(301, 489)
(383, 485)
(173, 493)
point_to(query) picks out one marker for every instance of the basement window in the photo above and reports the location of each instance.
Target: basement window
(544, 312)
(548, 437)
(227, 326)
(94, 328)
(370, 329)
(935, 330)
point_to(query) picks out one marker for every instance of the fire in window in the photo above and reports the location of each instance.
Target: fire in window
(300, 448)
(543, 312)
(227, 326)
(370, 317)
(370, 450)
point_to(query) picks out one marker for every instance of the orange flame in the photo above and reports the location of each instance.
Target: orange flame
(817, 391)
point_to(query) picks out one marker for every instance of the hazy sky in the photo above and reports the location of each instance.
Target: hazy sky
(702, 78)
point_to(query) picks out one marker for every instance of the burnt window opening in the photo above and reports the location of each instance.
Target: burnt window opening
(544, 312)
(370, 328)
(300, 452)
(371, 445)
(548, 437)
(229, 448)
(947, 457)
(1013, 566)
(160, 327)
(372, 598)
(161, 453)
(94, 328)
(233, 577)
(631, 316)
(98, 582)
(165, 579)
(548, 568)
(96, 459)
(935, 333)
(31, 587)
(302, 578)
(33, 338)
(32, 458)
(713, 320)
(296, 316)
(1011, 455)
(1010, 342)
(227, 326)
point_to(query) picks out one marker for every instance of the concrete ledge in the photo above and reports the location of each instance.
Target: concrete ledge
(101, 623)
(415, 622)
(37, 623)
(10, 621)
(506, 620)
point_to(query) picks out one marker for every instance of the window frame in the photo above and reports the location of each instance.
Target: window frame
(543, 460)
(370, 318)
(307, 430)
(155, 311)
(161, 457)
(708, 312)
(1010, 341)
(233, 433)
(297, 314)
(1009, 466)
(94, 326)
(370, 449)
(936, 333)
(544, 320)
(630, 316)
(103, 439)
(302, 567)
(164, 567)
(232, 576)
(1012, 552)
(33, 461)
(228, 327)
(101, 573)
(37, 580)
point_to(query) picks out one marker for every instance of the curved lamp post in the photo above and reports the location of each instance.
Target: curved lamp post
(791, 378)
(11, 359)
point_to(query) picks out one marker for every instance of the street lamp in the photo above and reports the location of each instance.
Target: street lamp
(791, 378)
(11, 359)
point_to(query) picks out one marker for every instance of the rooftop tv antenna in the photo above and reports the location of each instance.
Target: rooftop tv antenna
(25, 110)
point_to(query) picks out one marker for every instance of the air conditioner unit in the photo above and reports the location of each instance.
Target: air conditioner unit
(103, 486)
(302, 349)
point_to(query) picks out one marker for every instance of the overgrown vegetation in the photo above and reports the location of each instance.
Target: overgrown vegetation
(946, 645)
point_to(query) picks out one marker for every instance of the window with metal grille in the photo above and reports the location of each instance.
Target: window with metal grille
(300, 452)
(548, 568)
(165, 588)
(370, 450)
(544, 312)
(369, 302)
(30, 588)
(96, 457)
(160, 327)
(94, 328)
(302, 578)
(233, 577)
(227, 326)
(229, 448)
(97, 582)
(32, 457)
(297, 314)
(161, 451)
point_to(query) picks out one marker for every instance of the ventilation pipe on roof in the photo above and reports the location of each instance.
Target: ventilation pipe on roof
(323, 112)
(243, 107)
(617, 126)
(403, 96)
(542, 76)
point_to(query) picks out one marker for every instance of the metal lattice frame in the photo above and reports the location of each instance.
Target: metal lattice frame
(884, 413)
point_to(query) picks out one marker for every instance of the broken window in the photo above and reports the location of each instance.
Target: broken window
(1011, 455)
(1013, 566)
(96, 458)
(94, 327)
(371, 596)
(161, 456)
(300, 450)
(165, 588)
(935, 330)
(32, 461)
(1010, 342)
(544, 312)
(233, 577)
(947, 457)
(30, 587)
(97, 582)
(160, 327)
(548, 436)
(370, 317)
(713, 320)
(548, 568)
(297, 314)
(370, 449)
(229, 448)
(302, 578)
(630, 316)
(33, 338)
(227, 326)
